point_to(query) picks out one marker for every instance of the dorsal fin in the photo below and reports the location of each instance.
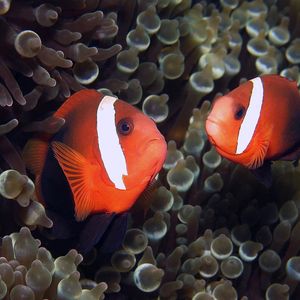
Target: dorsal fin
(75, 99)
(34, 155)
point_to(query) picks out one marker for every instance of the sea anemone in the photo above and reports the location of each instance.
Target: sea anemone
(28, 271)
(212, 230)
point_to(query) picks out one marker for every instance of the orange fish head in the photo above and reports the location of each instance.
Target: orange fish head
(143, 145)
(224, 121)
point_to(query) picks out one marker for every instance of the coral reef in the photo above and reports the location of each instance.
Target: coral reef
(212, 231)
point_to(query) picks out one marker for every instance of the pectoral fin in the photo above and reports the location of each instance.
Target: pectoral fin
(144, 201)
(259, 149)
(79, 174)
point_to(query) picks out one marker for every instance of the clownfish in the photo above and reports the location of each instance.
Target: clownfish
(102, 159)
(258, 122)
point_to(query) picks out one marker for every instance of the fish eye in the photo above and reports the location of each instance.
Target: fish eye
(240, 112)
(125, 126)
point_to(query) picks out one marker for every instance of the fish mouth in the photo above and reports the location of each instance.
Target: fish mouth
(160, 142)
(212, 120)
(212, 128)
(158, 146)
(211, 140)
(154, 146)
(223, 152)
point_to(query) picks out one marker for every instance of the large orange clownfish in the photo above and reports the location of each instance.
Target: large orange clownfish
(257, 122)
(98, 163)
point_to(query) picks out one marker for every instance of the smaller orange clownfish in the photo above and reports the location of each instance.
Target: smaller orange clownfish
(106, 154)
(257, 122)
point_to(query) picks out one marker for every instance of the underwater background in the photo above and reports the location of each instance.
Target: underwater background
(212, 232)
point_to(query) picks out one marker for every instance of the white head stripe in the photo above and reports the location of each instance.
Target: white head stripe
(109, 145)
(252, 116)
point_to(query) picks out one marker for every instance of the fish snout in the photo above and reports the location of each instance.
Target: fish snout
(221, 135)
(158, 145)
(212, 128)
(155, 149)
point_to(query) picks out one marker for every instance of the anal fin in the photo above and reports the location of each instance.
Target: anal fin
(293, 155)
(116, 233)
(94, 229)
(264, 174)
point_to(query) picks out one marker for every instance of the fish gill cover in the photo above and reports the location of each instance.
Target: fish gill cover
(212, 231)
